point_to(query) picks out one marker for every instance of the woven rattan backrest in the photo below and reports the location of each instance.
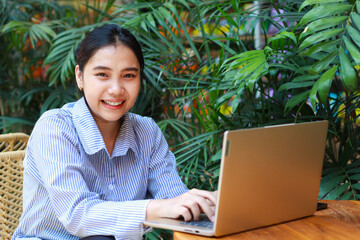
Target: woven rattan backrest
(13, 142)
(11, 185)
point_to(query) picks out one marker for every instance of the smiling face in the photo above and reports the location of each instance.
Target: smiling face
(110, 82)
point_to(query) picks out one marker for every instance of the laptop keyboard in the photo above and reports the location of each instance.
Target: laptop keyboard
(203, 222)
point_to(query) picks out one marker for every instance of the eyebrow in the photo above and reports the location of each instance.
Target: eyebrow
(135, 69)
(101, 68)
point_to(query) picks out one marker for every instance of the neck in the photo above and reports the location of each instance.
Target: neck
(109, 132)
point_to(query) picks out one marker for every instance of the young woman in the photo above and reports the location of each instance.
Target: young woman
(92, 168)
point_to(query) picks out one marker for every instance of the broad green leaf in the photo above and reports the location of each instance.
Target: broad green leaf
(245, 56)
(354, 34)
(59, 50)
(311, 2)
(63, 38)
(347, 71)
(353, 50)
(255, 76)
(353, 170)
(225, 97)
(150, 19)
(325, 11)
(346, 196)
(305, 77)
(312, 95)
(317, 37)
(355, 177)
(15, 26)
(248, 70)
(243, 62)
(358, 6)
(323, 63)
(133, 22)
(321, 47)
(46, 27)
(355, 17)
(234, 104)
(284, 35)
(36, 31)
(183, 2)
(322, 24)
(216, 156)
(329, 184)
(143, 26)
(337, 191)
(295, 100)
(294, 85)
(325, 83)
(167, 15)
(356, 186)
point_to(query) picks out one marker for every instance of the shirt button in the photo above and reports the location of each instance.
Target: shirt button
(111, 187)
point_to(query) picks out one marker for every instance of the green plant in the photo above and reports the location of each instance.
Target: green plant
(27, 28)
(203, 74)
(306, 71)
(311, 72)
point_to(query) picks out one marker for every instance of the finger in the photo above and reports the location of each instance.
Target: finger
(185, 213)
(194, 207)
(208, 209)
(210, 213)
(210, 203)
(205, 194)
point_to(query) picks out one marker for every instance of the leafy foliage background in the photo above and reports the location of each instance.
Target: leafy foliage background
(203, 74)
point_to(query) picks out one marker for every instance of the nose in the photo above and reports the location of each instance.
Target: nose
(116, 88)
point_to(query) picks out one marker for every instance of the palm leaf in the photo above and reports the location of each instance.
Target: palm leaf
(295, 100)
(347, 71)
(62, 54)
(325, 10)
(35, 31)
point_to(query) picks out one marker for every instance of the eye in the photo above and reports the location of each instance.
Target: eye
(129, 75)
(101, 74)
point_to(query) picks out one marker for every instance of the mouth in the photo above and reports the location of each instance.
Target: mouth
(115, 104)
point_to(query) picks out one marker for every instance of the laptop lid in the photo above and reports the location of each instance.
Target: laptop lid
(269, 175)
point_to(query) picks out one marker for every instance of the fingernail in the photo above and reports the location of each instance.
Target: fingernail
(213, 218)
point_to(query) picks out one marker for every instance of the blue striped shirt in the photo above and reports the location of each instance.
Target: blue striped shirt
(73, 188)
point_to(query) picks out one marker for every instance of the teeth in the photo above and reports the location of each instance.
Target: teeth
(113, 103)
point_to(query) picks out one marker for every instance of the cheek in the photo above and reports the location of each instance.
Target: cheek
(93, 85)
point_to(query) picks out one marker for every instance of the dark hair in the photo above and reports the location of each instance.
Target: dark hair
(109, 34)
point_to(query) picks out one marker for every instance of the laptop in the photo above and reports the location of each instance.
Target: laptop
(268, 175)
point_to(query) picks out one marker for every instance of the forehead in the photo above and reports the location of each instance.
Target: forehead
(111, 55)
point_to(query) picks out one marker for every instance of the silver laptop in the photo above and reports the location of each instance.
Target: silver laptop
(267, 176)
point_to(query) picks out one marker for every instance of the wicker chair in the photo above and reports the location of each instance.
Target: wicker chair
(11, 179)
(13, 142)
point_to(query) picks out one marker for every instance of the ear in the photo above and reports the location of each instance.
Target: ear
(79, 78)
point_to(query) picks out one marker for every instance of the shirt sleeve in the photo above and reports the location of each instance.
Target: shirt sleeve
(56, 152)
(164, 180)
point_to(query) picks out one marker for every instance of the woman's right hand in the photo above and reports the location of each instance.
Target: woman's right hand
(189, 206)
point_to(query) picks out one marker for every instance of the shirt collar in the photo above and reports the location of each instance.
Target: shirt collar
(126, 137)
(91, 137)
